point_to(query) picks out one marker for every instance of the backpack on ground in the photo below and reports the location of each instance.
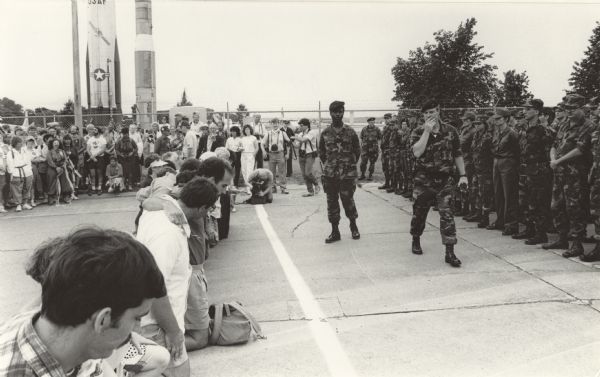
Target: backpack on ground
(232, 324)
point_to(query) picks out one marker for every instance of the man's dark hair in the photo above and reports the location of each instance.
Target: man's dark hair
(185, 176)
(14, 141)
(171, 164)
(40, 260)
(191, 164)
(199, 192)
(96, 268)
(150, 159)
(215, 168)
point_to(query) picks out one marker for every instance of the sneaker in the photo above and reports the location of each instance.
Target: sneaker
(74, 197)
(110, 189)
(19, 208)
(33, 204)
(233, 210)
(2, 210)
(27, 206)
(306, 195)
(284, 191)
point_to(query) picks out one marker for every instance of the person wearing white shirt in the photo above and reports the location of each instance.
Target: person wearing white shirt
(3, 172)
(196, 124)
(168, 243)
(96, 146)
(259, 131)
(32, 154)
(274, 142)
(250, 148)
(136, 136)
(21, 174)
(235, 148)
(190, 142)
(307, 140)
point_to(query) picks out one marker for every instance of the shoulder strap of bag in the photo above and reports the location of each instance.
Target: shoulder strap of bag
(252, 320)
(216, 331)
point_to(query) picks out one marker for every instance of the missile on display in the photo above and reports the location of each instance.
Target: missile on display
(103, 67)
(145, 76)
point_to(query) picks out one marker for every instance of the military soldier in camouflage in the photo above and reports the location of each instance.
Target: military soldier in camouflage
(393, 154)
(370, 137)
(569, 165)
(436, 147)
(402, 168)
(413, 120)
(535, 144)
(385, 150)
(483, 164)
(469, 210)
(339, 150)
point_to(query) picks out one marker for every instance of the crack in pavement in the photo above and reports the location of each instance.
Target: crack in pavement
(307, 219)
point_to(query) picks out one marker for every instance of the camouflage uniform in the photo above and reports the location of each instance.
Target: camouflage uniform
(594, 177)
(409, 163)
(369, 137)
(339, 149)
(569, 179)
(393, 156)
(483, 164)
(466, 139)
(505, 147)
(434, 180)
(535, 144)
(404, 151)
(524, 189)
(385, 150)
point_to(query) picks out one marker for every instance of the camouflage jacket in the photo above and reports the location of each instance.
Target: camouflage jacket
(568, 137)
(339, 149)
(442, 148)
(466, 139)
(535, 143)
(369, 138)
(481, 150)
(395, 140)
(505, 143)
(385, 136)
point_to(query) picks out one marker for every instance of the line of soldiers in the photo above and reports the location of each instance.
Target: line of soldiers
(536, 167)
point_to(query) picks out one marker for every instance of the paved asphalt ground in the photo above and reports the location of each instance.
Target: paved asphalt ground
(371, 308)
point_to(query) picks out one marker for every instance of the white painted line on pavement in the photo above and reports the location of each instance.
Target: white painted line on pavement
(331, 349)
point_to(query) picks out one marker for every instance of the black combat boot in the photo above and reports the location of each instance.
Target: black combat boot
(484, 221)
(591, 256)
(370, 177)
(335, 234)
(575, 250)
(451, 258)
(362, 176)
(386, 184)
(472, 218)
(529, 232)
(407, 194)
(560, 243)
(354, 230)
(416, 246)
(495, 226)
(537, 239)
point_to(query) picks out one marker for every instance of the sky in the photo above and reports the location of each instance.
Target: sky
(270, 55)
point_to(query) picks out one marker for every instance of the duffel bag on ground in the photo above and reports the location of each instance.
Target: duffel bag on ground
(232, 324)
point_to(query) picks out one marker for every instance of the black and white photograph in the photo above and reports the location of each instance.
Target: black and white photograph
(290, 188)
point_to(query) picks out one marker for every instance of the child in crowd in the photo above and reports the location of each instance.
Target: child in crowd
(114, 174)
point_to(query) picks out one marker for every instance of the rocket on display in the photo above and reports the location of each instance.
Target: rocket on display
(102, 58)
(145, 74)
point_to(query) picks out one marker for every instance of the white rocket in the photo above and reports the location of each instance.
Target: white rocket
(145, 76)
(103, 69)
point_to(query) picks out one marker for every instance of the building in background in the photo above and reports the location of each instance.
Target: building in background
(103, 71)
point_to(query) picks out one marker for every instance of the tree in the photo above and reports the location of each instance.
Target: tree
(8, 108)
(514, 89)
(242, 111)
(68, 108)
(585, 78)
(184, 101)
(453, 70)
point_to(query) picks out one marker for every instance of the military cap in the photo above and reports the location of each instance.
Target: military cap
(304, 122)
(337, 105)
(535, 103)
(559, 107)
(574, 101)
(468, 115)
(387, 116)
(431, 104)
(371, 119)
(501, 111)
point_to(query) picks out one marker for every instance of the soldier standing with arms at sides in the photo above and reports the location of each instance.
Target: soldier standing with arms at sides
(413, 119)
(436, 147)
(394, 153)
(402, 168)
(385, 150)
(483, 164)
(536, 141)
(339, 150)
(469, 210)
(370, 137)
(570, 176)
(505, 147)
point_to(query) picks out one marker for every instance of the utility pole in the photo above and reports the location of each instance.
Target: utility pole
(76, 74)
(108, 83)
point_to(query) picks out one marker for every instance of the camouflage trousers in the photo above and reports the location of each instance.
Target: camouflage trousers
(540, 196)
(393, 168)
(485, 193)
(401, 169)
(338, 189)
(567, 210)
(524, 194)
(428, 190)
(595, 199)
(385, 162)
(467, 200)
(368, 156)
